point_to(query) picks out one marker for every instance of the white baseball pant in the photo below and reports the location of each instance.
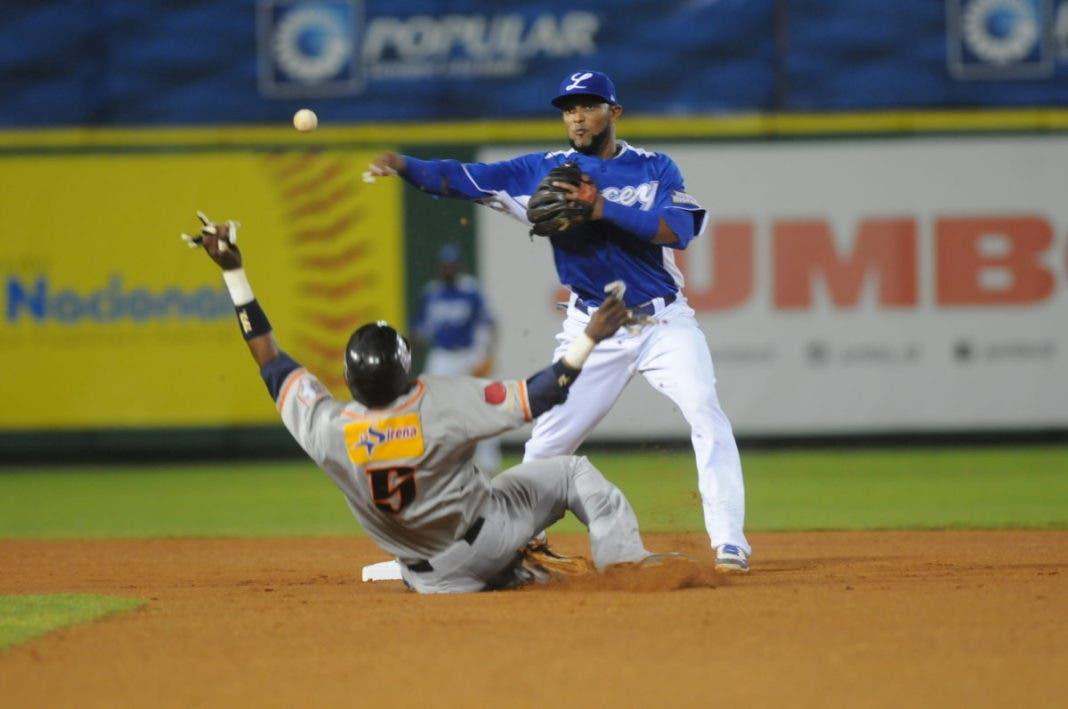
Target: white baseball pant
(673, 357)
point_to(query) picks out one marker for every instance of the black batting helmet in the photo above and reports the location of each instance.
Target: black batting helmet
(378, 361)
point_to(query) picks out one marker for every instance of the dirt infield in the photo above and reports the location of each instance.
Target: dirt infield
(876, 619)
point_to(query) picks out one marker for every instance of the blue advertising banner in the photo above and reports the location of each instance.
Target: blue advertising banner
(247, 61)
(196, 62)
(870, 54)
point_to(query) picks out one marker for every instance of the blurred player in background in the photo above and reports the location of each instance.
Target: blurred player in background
(626, 218)
(455, 323)
(400, 449)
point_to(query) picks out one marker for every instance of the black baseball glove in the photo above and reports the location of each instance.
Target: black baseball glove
(553, 209)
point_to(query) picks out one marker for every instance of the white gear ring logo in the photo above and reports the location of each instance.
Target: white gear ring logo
(301, 65)
(1020, 40)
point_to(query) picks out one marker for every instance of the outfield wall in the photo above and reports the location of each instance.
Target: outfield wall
(121, 118)
(849, 284)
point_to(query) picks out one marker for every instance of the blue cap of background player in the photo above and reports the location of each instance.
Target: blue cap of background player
(587, 83)
(449, 253)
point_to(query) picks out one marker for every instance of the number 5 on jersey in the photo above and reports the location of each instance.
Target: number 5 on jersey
(392, 488)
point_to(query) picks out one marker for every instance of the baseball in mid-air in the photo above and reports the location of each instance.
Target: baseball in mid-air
(305, 120)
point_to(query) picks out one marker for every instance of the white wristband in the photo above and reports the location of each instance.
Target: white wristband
(578, 351)
(238, 285)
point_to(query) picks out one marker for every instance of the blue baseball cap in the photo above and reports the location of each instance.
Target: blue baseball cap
(450, 253)
(587, 83)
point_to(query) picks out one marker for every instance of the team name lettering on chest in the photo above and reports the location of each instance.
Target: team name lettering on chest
(643, 194)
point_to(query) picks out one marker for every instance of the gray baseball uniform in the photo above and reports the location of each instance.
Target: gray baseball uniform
(407, 475)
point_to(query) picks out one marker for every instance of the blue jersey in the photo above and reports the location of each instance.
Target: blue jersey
(588, 256)
(449, 315)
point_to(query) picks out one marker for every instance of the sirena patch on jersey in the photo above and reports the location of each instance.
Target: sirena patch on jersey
(390, 438)
(680, 197)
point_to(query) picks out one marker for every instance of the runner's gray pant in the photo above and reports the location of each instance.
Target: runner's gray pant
(525, 500)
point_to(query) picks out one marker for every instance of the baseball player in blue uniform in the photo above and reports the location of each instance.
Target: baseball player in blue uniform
(630, 213)
(400, 449)
(454, 320)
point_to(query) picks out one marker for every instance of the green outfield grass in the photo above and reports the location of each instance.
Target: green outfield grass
(25, 617)
(1025, 487)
